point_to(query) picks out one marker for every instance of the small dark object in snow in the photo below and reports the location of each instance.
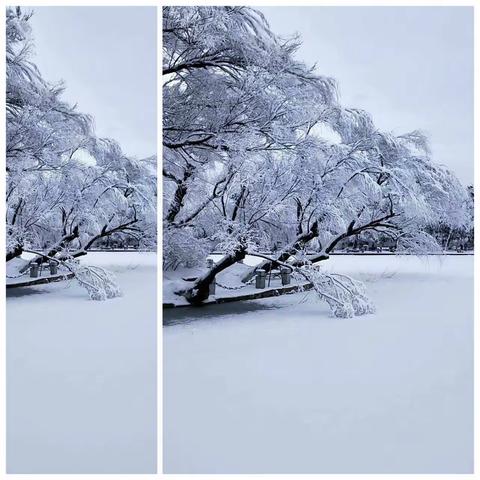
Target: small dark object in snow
(285, 273)
(53, 267)
(34, 270)
(260, 279)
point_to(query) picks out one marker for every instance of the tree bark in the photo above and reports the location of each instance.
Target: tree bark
(199, 292)
(179, 196)
(351, 230)
(16, 252)
(103, 233)
(63, 242)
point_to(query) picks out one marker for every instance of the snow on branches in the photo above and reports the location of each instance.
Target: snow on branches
(67, 189)
(344, 295)
(98, 282)
(260, 155)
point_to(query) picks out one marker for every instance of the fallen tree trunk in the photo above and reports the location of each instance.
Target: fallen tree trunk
(268, 292)
(199, 292)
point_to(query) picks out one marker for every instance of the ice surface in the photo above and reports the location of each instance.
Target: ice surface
(81, 375)
(279, 386)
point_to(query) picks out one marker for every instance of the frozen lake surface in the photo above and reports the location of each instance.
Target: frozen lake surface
(81, 375)
(279, 386)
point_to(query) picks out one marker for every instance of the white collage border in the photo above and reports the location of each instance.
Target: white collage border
(253, 3)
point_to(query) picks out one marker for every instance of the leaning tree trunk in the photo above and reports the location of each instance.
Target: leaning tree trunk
(16, 252)
(285, 254)
(199, 292)
(58, 247)
(180, 193)
(322, 255)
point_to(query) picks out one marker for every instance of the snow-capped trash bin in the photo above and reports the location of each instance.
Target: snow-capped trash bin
(285, 274)
(53, 267)
(210, 263)
(260, 279)
(34, 270)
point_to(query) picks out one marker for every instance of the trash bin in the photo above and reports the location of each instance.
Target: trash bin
(285, 274)
(53, 267)
(260, 279)
(34, 270)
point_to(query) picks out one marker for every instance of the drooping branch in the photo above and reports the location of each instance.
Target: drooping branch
(105, 232)
(352, 230)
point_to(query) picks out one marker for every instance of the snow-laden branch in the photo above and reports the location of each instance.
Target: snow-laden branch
(98, 282)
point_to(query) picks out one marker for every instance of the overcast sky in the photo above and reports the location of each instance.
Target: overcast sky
(410, 67)
(107, 58)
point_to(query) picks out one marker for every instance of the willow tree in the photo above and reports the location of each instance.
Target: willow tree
(66, 188)
(234, 96)
(248, 160)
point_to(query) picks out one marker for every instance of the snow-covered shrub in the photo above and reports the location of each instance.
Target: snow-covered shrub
(182, 249)
(15, 239)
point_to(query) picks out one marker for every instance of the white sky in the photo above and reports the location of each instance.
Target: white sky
(107, 58)
(410, 67)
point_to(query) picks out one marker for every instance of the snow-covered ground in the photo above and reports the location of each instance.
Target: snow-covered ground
(81, 375)
(279, 386)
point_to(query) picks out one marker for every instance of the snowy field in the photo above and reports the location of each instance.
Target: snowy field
(279, 386)
(81, 375)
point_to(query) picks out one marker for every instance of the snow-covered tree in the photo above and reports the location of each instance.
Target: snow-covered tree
(234, 97)
(66, 188)
(258, 151)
